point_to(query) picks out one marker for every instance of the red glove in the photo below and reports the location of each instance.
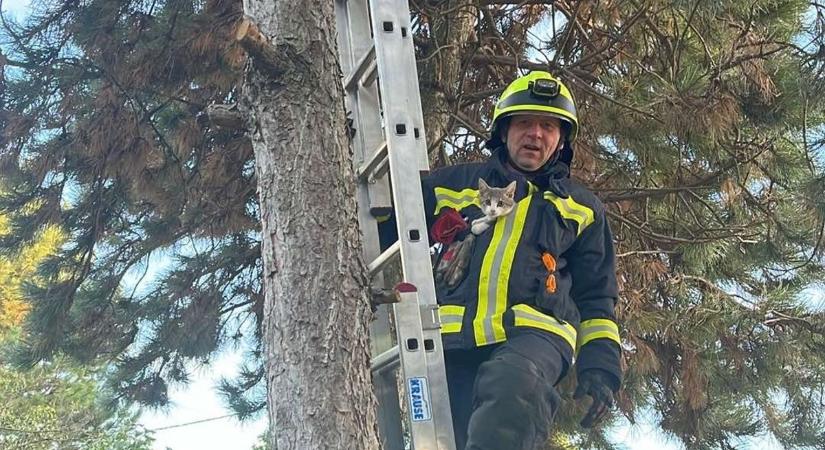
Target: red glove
(448, 225)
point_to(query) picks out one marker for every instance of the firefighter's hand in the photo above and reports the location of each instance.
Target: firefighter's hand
(462, 259)
(452, 266)
(596, 384)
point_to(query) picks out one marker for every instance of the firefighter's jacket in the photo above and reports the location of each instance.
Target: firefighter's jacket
(507, 286)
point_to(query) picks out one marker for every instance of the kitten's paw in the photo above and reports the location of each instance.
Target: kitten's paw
(479, 227)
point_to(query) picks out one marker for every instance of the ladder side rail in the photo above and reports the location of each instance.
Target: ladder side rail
(407, 149)
(362, 102)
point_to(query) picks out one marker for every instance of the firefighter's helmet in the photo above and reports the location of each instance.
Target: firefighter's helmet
(537, 93)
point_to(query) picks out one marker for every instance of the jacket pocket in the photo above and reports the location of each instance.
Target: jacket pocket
(554, 292)
(560, 305)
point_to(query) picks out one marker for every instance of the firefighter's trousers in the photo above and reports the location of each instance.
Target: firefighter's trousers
(503, 396)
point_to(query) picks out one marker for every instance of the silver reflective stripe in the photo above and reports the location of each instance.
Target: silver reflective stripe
(592, 330)
(598, 329)
(569, 208)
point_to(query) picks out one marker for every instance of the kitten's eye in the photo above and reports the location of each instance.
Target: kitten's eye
(500, 203)
(487, 202)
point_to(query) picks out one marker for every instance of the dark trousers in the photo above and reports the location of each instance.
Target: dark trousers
(503, 396)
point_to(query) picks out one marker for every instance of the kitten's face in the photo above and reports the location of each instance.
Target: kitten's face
(496, 202)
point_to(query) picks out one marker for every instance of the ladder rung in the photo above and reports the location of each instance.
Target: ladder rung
(381, 296)
(365, 65)
(370, 75)
(386, 361)
(376, 165)
(378, 264)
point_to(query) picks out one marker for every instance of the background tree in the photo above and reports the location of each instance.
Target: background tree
(56, 404)
(702, 127)
(59, 405)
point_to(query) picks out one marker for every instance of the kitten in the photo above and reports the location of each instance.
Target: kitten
(495, 203)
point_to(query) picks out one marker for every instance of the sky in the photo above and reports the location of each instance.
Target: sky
(199, 401)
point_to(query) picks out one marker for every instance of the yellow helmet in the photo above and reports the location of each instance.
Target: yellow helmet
(537, 93)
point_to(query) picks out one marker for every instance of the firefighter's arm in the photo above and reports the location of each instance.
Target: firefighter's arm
(593, 269)
(595, 291)
(387, 225)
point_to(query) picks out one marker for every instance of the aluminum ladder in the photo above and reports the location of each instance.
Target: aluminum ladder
(382, 96)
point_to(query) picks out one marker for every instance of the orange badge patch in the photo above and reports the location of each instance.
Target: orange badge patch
(550, 284)
(549, 262)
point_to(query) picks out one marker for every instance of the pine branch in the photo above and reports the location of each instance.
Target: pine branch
(226, 116)
(532, 65)
(572, 19)
(470, 124)
(258, 47)
(707, 182)
(774, 318)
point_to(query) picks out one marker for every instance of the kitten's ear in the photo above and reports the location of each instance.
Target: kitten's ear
(482, 185)
(510, 190)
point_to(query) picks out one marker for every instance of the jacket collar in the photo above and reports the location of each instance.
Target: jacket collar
(549, 177)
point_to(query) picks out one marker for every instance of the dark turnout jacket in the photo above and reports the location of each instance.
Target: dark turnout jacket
(557, 230)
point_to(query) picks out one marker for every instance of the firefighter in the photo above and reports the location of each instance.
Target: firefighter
(539, 287)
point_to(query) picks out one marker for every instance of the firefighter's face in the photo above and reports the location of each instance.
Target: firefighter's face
(532, 139)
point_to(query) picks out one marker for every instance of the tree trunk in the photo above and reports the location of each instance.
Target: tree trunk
(317, 309)
(442, 73)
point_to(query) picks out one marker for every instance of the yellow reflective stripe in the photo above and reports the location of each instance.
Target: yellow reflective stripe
(458, 200)
(527, 316)
(571, 209)
(482, 322)
(450, 327)
(451, 310)
(494, 280)
(507, 265)
(597, 329)
(531, 188)
(451, 317)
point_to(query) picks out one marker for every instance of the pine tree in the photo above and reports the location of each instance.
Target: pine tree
(114, 141)
(317, 310)
(56, 404)
(701, 127)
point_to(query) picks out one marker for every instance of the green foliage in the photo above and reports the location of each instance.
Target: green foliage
(59, 405)
(55, 404)
(142, 177)
(264, 443)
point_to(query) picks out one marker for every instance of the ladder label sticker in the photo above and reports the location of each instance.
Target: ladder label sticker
(419, 399)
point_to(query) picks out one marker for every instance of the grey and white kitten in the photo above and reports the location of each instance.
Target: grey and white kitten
(494, 202)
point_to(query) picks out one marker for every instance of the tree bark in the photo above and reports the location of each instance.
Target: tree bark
(442, 73)
(317, 306)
